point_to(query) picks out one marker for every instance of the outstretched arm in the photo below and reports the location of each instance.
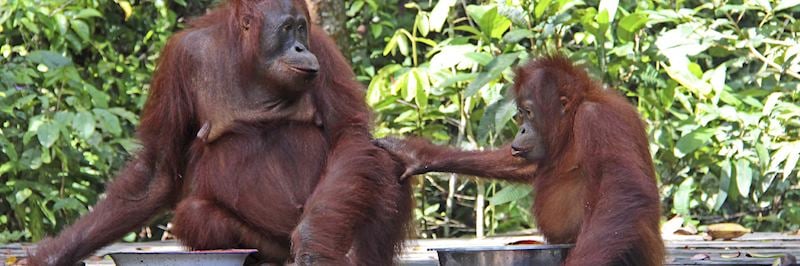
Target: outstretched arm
(147, 184)
(134, 196)
(421, 156)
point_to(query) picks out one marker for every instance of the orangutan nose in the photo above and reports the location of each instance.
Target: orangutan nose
(515, 151)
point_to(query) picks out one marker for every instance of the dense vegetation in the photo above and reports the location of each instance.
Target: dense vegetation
(716, 82)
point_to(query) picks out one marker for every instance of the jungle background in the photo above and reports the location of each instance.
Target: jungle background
(716, 82)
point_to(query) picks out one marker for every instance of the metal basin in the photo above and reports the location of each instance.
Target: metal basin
(504, 255)
(227, 257)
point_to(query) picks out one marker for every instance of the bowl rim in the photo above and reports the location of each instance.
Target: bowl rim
(503, 248)
(189, 252)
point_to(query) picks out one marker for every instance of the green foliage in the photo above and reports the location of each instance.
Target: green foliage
(717, 83)
(73, 76)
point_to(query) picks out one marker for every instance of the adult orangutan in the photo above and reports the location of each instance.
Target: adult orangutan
(257, 135)
(585, 151)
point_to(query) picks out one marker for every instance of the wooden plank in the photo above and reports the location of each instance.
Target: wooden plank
(680, 249)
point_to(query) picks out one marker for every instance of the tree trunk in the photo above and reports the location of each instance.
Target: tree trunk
(331, 16)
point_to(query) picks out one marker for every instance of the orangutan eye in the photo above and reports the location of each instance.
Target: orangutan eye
(524, 111)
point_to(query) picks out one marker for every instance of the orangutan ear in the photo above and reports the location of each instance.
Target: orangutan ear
(246, 21)
(564, 103)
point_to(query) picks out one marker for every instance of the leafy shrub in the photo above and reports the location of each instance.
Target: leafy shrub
(73, 77)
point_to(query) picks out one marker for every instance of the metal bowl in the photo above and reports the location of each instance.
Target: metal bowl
(504, 255)
(227, 257)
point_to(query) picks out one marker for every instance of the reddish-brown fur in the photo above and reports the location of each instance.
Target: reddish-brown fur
(596, 185)
(286, 184)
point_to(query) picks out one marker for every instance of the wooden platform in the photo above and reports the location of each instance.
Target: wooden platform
(751, 249)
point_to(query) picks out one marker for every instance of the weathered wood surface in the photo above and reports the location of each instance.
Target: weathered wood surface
(751, 249)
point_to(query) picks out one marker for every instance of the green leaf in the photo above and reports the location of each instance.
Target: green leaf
(49, 58)
(516, 35)
(88, 13)
(108, 121)
(126, 8)
(439, 14)
(788, 154)
(490, 22)
(402, 43)
(84, 124)
(610, 9)
(786, 4)
(744, 177)
(81, 28)
(460, 77)
(431, 209)
(504, 114)
(6, 167)
(422, 23)
(67, 204)
(724, 183)
(541, 7)
(692, 141)
(47, 133)
(510, 193)
(688, 39)
(62, 22)
(763, 157)
(130, 237)
(772, 100)
(99, 98)
(22, 195)
(355, 7)
(630, 24)
(421, 97)
(791, 159)
(494, 69)
(683, 196)
(391, 44)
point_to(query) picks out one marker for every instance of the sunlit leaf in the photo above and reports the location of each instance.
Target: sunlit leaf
(439, 14)
(610, 7)
(81, 28)
(22, 195)
(786, 4)
(49, 58)
(692, 141)
(491, 23)
(493, 71)
(84, 124)
(517, 35)
(422, 23)
(108, 121)
(510, 193)
(47, 133)
(355, 6)
(89, 13)
(791, 159)
(402, 43)
(744, 177)
(126, 8)
(724, 183)
(683, 196)
(541, 7)
(630, 24)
